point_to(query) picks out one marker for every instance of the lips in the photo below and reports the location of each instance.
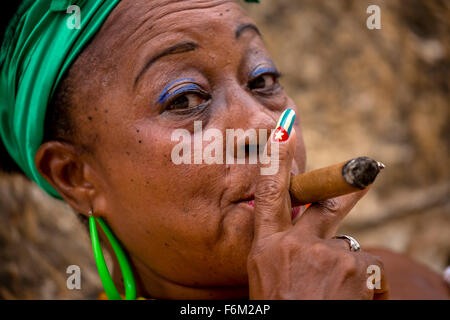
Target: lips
(251, 203)
(296, 211)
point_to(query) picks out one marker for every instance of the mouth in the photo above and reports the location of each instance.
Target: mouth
(249, 201)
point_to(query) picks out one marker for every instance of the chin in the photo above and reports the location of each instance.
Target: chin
(235, 241)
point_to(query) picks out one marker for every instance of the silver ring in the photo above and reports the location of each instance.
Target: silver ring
(354, 245)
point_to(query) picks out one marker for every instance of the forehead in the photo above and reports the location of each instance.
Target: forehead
(139, 29)
(135, 23)
(136, 30)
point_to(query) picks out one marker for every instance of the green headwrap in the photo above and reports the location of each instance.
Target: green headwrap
(39, 47)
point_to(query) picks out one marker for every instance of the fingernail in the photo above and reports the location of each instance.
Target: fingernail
(284, 126)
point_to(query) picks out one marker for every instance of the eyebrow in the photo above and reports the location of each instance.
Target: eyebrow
(246, 26)
(181, 47)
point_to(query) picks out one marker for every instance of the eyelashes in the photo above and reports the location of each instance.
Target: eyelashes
(188, 88)
(166, 94)
(186, 94)
(183, 96)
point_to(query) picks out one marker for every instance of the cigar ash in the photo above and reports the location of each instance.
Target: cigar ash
(361, 172)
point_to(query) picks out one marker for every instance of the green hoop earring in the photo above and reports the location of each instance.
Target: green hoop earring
(105, 277)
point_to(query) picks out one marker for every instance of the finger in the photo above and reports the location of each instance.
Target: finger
(372, 269)
(376, 281)
(272, 200)
(322, 219)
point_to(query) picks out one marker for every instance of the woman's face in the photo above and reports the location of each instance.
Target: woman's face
(158, 66)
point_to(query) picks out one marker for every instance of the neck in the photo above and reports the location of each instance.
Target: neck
(153, 286)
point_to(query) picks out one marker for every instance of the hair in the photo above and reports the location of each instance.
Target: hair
(58, 123)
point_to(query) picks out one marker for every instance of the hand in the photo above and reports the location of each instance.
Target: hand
(301, 260)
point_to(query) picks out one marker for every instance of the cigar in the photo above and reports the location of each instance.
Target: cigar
(333, 181)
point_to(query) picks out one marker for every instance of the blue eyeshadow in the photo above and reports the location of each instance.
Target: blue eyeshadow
(165, 94)
(260, 71)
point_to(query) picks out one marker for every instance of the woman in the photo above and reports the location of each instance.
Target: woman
(89, 114)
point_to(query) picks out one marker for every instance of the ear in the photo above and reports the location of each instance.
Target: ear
(66, 168)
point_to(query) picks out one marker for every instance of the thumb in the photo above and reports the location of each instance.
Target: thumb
(272, 200)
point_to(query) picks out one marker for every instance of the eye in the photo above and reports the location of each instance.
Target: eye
(263, 82)
(183, 95)
(187, 101)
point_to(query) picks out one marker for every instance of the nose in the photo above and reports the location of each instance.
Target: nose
(246, 112)
(252, 118)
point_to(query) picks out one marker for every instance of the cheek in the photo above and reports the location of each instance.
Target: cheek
(159, 209)
(160, 195)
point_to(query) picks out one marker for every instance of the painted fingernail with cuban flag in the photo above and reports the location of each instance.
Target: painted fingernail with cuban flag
(284, 126)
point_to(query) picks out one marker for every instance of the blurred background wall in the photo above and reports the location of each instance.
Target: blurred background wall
(381, 93)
